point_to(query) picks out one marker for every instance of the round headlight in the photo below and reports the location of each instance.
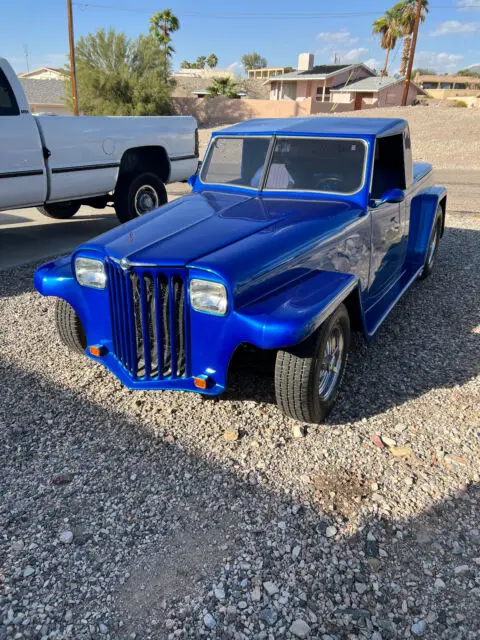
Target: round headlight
(209, 297)
(90, 273)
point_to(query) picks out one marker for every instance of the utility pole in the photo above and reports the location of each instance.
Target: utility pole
(25, 48)
(73, 71)
(412, 53)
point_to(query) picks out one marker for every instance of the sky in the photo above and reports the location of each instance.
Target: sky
(448, 40)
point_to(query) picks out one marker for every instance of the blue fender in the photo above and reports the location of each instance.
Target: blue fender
(288, 316)
(422, 215)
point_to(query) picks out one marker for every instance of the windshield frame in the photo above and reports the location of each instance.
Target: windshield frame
(268, 161)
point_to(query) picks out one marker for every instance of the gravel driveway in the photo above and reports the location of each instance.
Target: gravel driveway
(130, 515)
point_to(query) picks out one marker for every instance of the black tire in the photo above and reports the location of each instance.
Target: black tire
(299, 371)
(127, 198)
(433, 243)
(69, 327)
(60, 210)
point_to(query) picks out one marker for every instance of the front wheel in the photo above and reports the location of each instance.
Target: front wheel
(69, 327)
(137, 195)
(60, 210)
(308, 377)
(433, 244)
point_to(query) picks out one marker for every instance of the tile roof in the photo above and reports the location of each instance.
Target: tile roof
(49, 91)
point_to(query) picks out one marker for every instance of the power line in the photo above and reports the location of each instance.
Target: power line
(242, 15)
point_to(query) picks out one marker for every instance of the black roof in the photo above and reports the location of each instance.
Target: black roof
(324, 69)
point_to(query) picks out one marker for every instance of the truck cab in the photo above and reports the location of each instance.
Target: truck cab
(296, 233)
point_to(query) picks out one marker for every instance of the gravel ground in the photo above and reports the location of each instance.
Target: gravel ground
(131, 515)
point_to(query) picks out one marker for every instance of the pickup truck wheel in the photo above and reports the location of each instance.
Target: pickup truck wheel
(433, 243)
(60, 210)
(137, 195)
(308, 377)
(69, 327)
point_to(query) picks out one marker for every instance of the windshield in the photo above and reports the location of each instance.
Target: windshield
(235, 161)
(326, 165)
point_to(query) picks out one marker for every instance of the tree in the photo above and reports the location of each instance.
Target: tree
(200, 62)
(424, 72)
(212, 61)
(468, 72)
(118, 76)
(253, 61)
(162, 25)
(222, 87)
(387, 27)
(185, 64)
(406, 15)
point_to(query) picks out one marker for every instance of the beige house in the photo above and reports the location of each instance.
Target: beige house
(377, 91)
(315, 81)
(268, 72)
(445, 87)
(45, 96)
(44, 73)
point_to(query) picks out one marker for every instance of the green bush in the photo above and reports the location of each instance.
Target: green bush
(460, 103)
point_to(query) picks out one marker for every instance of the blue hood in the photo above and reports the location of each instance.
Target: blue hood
(197, 225)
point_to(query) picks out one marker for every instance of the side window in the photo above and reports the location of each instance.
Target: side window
(8, 103)
(389, 166)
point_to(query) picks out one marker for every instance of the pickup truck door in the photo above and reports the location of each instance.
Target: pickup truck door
(22, 169)
(388, 247)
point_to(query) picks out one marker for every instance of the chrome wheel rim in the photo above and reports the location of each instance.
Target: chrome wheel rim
(433, 246)
(146, 199)
(331, 365)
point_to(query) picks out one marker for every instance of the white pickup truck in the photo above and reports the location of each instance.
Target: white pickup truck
(60, 163)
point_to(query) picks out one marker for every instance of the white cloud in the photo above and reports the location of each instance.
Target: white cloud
(441, 62)
(342, 37)
(373, 63)
(454, 27)
(235, 67)
(469, 5)
(353, 55)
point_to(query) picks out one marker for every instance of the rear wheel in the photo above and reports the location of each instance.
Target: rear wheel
(137, 195)
(69, 327)
(60, 210)
(308, 377)
(433, 244)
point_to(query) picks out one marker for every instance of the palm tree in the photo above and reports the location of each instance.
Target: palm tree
(162, 25)
(387, 27)
(406, 12)
(212, 61)
(200, 62)
(222, 87)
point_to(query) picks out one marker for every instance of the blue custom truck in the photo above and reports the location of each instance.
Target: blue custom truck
(296, 232)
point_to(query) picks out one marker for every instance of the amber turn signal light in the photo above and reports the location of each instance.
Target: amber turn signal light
(97, 350)
(201, 382)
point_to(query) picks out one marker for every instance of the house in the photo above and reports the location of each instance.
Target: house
(315, 81)
(268, 72)
(44, 73)
(197, 87)
(376, 91)
(45, 95)
(447, 87)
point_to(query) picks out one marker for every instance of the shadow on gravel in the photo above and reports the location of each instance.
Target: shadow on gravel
(428, 341)
(154, 526)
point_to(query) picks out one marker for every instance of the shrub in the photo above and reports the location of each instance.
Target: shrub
(460, 103)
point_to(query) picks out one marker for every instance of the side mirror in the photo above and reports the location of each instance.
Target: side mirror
(392, 195)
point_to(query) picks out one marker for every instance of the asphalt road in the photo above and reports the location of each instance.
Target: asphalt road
(28, 236)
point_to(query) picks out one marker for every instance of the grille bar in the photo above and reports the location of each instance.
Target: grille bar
(149, 321)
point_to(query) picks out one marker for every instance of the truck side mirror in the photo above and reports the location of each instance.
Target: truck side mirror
(392, 195)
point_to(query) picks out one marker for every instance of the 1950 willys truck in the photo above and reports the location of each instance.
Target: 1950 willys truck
(296, 232)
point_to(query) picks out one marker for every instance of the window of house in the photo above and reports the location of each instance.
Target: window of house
(8, 102)
(319, 94)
